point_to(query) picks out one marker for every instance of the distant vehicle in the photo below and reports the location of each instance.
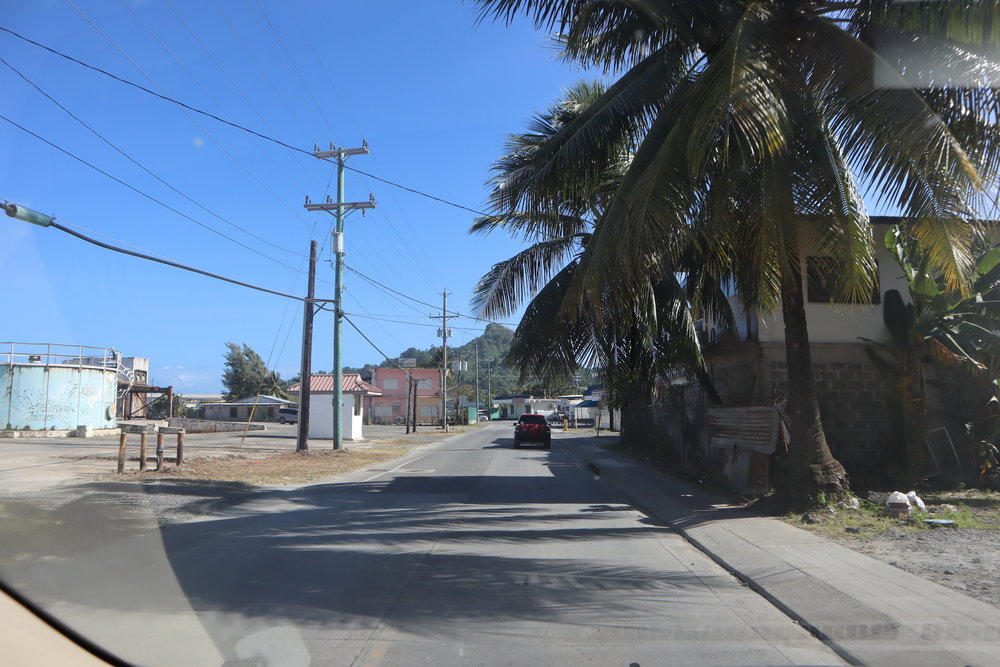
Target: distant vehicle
(556, 417)
(288, 415)
(484, 416)
(532, 428)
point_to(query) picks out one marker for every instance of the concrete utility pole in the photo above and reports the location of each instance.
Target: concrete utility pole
(444, 333)
(305, 368)
(477, 381)
(340, 207)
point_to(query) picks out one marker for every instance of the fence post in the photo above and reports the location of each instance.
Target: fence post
(159, 450)
(121, 451)
(143, 442)
(180, 447)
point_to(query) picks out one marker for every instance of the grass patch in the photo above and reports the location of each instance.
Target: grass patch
(969, 509)
(278, 469)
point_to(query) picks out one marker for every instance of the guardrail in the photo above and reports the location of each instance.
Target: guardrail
(59, 354)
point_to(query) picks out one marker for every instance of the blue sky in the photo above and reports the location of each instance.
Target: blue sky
(432, 92)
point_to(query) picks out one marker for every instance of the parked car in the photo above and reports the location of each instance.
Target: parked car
(532, 428)
(288, 415)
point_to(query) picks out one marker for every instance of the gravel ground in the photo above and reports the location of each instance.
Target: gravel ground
(965, 559)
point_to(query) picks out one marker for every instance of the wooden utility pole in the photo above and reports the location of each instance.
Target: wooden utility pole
(409, 398)
(305, 367)
(444, 333)
(341, 207)
(416, 383)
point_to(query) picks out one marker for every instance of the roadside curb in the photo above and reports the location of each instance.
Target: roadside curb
(641, 502)
(867, 612)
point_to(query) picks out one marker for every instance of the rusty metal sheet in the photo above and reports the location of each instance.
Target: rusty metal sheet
(748, 429)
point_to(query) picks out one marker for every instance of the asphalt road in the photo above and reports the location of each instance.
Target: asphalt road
(469, 552)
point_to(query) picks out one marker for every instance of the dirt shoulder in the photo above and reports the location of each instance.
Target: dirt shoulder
(40, 520)
(964, 556)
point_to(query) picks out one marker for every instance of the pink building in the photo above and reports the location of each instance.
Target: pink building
(390, 407)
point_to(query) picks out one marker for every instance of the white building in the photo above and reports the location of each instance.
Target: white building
(351, 408)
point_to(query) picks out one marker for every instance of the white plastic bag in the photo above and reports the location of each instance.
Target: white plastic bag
(915, 501)
(898, 504)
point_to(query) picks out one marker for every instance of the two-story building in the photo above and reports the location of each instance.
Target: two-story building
(748, 365)
(391, 407)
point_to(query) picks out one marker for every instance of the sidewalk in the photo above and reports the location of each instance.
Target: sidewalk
(869, 612)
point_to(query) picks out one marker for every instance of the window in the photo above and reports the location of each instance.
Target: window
(233, 412)
(820, 271)
(357, 404)
(425, 384)
(390, 383)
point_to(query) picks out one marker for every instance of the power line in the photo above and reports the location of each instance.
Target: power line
(362, 333)
(190, 74)
(201, 127)
(414, 324)
(144, 194)
(177, 265)
(234, 125)
(295, 67)
(415, 300)
(143, 167)
(290, 109)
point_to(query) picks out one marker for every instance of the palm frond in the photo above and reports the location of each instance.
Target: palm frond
(501, 291)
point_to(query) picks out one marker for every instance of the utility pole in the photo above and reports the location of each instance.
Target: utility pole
(340, 207)
(477, 381)
(416, 385)
(444, 333)
(489, 387)
(305, 369)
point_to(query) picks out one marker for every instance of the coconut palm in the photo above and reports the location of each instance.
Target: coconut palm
(755, 122)
(642, 325)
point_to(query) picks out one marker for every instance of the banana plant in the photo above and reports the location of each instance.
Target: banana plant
(936, 327)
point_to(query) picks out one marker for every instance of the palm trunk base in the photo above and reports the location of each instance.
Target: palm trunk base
(804, 485)
(828, 478)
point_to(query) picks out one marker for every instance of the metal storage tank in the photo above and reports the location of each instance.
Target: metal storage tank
(46, 386)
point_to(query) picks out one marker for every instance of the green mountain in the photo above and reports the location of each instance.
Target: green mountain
(495, 378)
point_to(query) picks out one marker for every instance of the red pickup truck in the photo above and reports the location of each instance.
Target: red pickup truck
(532, 428)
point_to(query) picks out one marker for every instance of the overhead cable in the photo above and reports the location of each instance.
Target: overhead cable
(168, 262)
(143, 167)
(234, 125)
(144, 194)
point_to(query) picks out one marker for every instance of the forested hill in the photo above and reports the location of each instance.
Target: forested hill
(493, 346)
(494, 377)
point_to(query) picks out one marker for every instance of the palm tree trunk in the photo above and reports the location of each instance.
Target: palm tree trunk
(811, 467)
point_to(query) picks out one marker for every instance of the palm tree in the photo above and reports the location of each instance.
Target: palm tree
(642, 325)
(755, 122)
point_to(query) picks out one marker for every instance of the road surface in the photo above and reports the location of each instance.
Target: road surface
(468, 552)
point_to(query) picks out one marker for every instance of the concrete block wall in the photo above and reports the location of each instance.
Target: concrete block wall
(854, 395)
(854, 400)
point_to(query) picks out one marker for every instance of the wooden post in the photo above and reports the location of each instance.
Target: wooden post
(159, 450)
(180, 447)
(143, 442)
(416, 403)
(409, 397)
(121, 452)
